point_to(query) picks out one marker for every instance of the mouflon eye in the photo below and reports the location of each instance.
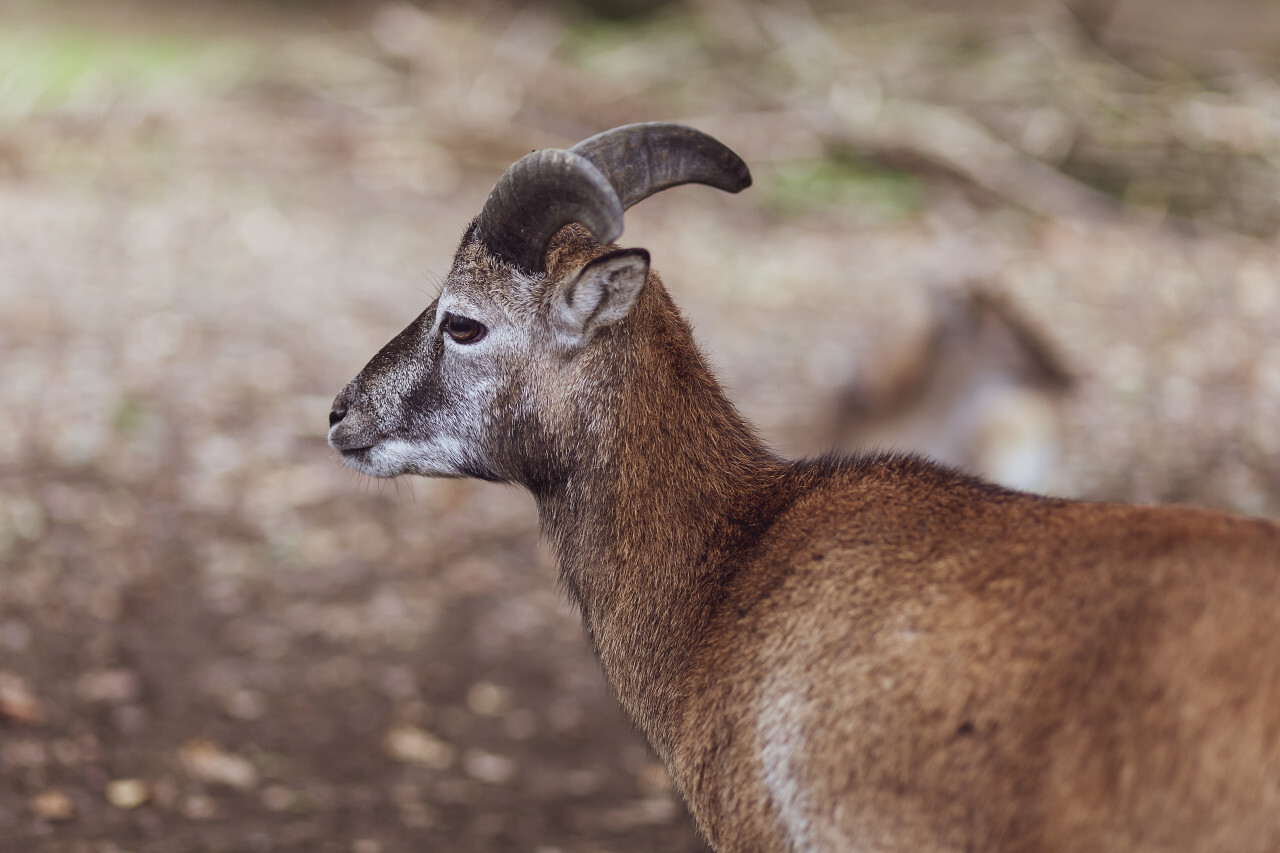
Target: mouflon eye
(464, 330)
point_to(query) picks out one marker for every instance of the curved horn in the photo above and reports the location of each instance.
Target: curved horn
(540, 194)
(594, 182)
(643, 159)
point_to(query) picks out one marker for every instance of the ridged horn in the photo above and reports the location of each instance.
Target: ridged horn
(594, 182)
(642, 159)
(540, 194)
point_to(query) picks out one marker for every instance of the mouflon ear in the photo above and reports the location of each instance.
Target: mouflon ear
(601, 294)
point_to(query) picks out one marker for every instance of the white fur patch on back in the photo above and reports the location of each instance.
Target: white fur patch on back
(780, 736)
(780, 739)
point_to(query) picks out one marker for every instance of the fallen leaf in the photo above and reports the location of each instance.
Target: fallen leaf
(51, 805)
(109, 686)
(209, 762)
(18, 702)
(128, 793)
(488, 767)
(199, 807)
(486, 699)
(413, 745)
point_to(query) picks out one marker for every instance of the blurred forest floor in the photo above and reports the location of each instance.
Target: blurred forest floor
(215, 637)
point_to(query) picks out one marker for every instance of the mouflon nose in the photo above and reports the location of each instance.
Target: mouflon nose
(338, 410)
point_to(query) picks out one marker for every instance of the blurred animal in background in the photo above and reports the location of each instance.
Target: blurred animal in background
(871, 653)
(982, 390)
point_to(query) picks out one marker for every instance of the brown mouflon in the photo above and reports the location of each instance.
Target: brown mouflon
(843, 654)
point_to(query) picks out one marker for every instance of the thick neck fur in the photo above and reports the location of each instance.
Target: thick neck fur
(664, 482)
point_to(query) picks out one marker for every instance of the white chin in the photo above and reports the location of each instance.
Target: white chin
(365, 462)
(395, 457)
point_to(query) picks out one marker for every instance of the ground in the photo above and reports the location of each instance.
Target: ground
(215, 637)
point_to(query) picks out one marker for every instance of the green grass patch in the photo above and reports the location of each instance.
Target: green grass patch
(130, 415)
(647, 45)
(44, 69)
(844, 182)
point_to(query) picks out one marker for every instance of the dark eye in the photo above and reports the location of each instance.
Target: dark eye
(463, 329)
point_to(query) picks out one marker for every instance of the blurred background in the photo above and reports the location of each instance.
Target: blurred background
(1036, 239)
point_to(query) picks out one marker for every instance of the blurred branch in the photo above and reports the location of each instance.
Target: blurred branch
(1093, 16)
(956, 143)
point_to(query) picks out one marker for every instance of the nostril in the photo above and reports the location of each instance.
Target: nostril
(336, 415)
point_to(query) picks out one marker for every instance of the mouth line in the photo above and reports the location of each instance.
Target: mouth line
(362, 460)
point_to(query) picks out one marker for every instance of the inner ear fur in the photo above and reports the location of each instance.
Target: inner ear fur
(601, 293)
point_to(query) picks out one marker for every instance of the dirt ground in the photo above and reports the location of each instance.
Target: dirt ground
(213, 637)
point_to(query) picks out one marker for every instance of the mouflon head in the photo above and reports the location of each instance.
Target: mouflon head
(494, 379)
